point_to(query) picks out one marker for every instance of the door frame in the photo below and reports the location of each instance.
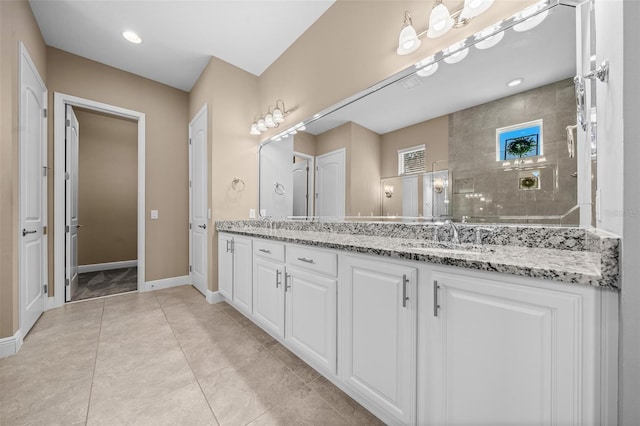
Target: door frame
(60, 101)
(343, 152)
(203, 111)
(25, 60)
(311, 182)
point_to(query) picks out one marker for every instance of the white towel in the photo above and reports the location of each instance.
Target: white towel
(571, 140)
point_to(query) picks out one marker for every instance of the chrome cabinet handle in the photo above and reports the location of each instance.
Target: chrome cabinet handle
(436, 305)
(25, 232)
(202, 226)
(228, 250)
(278, 279)
(264, 250)
(287, 277)
(405, 281)
(305, 260)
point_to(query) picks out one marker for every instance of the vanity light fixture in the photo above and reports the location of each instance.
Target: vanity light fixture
(440, 22)
(274, 116)
(132, 37)
(388, 191)
(515, 82)
(427, 67)
(486, 39)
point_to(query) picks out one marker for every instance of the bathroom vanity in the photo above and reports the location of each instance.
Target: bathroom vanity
(513, 325)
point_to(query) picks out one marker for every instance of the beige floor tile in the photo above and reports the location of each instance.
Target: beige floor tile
(259, 334)
(295, 364)
(307, 408)
(236, 315)
(353, 412)
(241, 393)
(179, 295)
(183, 406)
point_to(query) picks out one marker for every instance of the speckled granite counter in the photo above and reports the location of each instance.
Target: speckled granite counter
(569, 255)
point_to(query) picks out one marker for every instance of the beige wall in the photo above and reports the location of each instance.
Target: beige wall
(16, 24)
(231, 95)
(351, 47)
(365, 172)
(107, 188)
(305, 143)
(166, 113)
(434, 134)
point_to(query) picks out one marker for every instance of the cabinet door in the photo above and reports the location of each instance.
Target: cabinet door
(378, 334)
(242, 276)
(504, 353)
(311, 317)
(225, 266)
(268, 295)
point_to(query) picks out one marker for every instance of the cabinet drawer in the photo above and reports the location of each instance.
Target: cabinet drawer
(268, 249)
(313, 259)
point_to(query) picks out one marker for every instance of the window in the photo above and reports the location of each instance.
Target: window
(411, 160)
(518, 141)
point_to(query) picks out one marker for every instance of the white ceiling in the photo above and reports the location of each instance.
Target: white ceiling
(179, 36)
(541, 56)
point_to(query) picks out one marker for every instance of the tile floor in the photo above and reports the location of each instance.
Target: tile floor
(163, 358)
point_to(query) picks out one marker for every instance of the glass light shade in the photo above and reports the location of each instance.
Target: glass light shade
(440, 21)
(408, 41)
(457, 57)
(254, 130)
(532, 22)
(268, 121)
(473, 8)
(277, 116)
(302, 128)
(490, 41)
(261, 126)
(428, 70)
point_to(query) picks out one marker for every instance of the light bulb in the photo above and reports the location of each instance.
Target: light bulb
(440, 21)
(261, 126)
(268, 121)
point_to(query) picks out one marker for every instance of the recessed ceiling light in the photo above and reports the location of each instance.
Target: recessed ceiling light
(515, 82)
(132, 37)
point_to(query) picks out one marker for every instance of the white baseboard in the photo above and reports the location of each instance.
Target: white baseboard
(107, 266)
(166, 283)
(10, 345)
(214, 297)
(52, 303)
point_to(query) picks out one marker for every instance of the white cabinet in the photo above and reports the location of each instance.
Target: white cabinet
(310, 328)
(378, 334)
(268, 287)
(234, 271)
(504, 353)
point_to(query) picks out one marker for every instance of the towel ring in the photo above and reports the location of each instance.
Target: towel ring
(237, 182)
(278, 188)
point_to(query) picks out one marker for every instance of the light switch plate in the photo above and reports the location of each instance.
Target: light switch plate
(154, 214)
(252, 213)
(208, 213)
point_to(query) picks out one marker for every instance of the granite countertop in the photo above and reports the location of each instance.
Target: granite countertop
(587, 264)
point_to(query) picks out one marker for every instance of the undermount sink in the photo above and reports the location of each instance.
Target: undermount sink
(447, 247)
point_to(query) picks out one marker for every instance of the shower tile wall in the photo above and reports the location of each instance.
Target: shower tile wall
(472, 155)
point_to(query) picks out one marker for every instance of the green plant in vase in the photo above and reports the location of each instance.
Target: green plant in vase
(520, 146)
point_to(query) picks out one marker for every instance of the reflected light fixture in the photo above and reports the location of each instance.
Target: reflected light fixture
(530, 17)
(388, 191)
(274, 116)
(456, 53)
(426, 67)
(486, 39)
(131, 37)
(441, 20)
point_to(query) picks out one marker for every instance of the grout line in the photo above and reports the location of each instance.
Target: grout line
(95, 364)
(175, 336)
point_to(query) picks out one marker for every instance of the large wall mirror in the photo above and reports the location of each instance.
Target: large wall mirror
(487, 134)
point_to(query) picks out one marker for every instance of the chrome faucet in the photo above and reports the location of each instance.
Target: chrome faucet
(455, 239)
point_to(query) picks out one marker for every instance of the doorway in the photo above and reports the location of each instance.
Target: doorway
(331, 184)
(303, 174)
(73, 257)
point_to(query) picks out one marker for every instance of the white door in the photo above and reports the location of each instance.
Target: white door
(242, 276)
(33, 192)
(198, 202)
(71, 197)
(225, 266)
(331, 184)
(300, 171)
(377, 355)
(268, 295)
(504, 354)
(310, 307)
